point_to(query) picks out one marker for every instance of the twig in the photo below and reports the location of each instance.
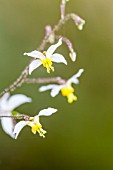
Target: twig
(58, 80)
(20, 116)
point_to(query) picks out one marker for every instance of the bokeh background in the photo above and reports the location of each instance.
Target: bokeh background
(80, 135)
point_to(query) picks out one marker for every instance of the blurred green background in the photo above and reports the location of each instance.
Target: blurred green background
(80, 135)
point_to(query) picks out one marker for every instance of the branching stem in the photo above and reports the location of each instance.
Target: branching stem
(22, 78)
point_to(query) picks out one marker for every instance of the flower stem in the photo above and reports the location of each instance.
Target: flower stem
(20, 116)
(58, 80)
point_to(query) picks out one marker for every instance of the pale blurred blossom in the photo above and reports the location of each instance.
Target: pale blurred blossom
(7, 105)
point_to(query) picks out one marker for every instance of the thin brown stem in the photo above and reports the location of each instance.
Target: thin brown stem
(20, 116)
(58, 80)
(55, 29)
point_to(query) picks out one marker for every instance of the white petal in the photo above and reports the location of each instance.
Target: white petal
(8, 125)
(79, 72)
(52, 48)
(48, 87)
(18, 127)
(3, 102)
(16, 100)
(74, 79)
(55, 90)
(34, 54)
(58, 58)
(5, 96)
(34, 64)
(47, 112)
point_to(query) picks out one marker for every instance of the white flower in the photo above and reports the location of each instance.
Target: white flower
(66, 88)
(46, 58)
(34, 123)
(7, 105)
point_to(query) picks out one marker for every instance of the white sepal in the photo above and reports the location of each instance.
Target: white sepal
(55, 90)
(18, 127)
(34, 64)
(8, 125)
(16, 100)
(34, 54)
(58, 58)
(52, 48)
(74, 79)
(48, 87)
(47, 112)
(3, 102)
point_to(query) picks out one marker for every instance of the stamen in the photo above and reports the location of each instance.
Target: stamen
(42, 132)
(34, 126)
(68, 92)
(71, 97)
(48, 64)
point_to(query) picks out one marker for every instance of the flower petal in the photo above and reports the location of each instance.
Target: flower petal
(34, 64)
(47, 112)
(58, 58)
(18, 127)
(3, 102)
(52, 48)
(34, 54)
(16, 100)
(74, 79)
(48, 87)
(55, 90)
(8, 125)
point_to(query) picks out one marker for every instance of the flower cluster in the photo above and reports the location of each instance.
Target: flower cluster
(8, 104)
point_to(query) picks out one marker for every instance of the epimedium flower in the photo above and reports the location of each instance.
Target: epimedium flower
(66, 89)
(46, 58)
(34, 123)
(7, 106)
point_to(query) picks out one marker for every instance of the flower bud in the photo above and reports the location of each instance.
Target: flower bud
(72, 55)
(79, 22)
